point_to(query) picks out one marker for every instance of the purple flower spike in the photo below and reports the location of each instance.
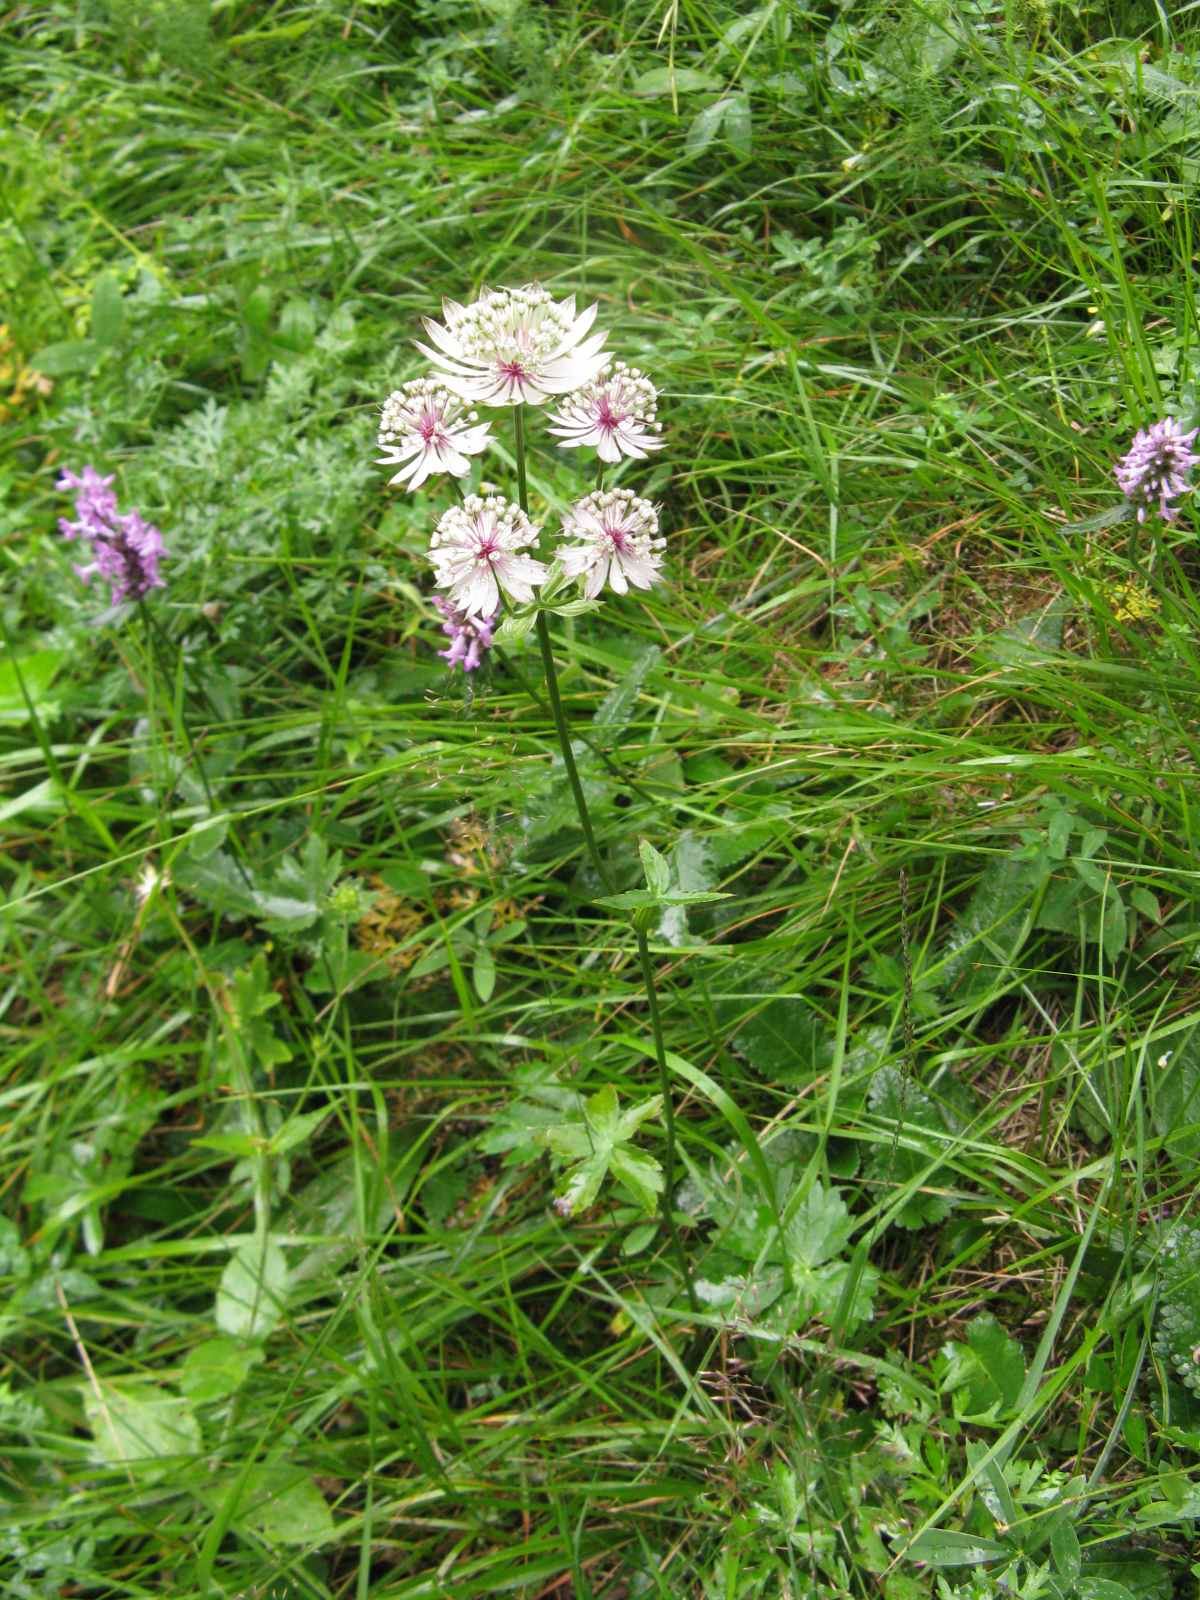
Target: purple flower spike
(470, 637)
(126, 550)
(1155, 470)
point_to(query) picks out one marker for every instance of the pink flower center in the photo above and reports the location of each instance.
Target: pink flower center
(617, 536)
(513, 372)
(486, 551)
(606, 418)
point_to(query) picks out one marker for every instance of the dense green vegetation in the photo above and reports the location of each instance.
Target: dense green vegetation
(306, 1000)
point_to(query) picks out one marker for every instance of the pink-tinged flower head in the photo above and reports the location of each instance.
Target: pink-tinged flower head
(125, 550)
(514, 347)
(620, 543)
(478, 554)
(95, 503)
(470, 637)
(617, 413)
(1155, 469)
(425, 429)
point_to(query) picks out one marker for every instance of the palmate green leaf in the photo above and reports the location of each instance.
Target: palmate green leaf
(599, 1143)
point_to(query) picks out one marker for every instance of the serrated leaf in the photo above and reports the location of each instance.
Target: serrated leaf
(616, 710)
(629, 900)
(784, 1041)
(140, 1427)
(1001, 1359)
(599, 1143)
(819, 1228)
(896, 1100)
(252, 1296)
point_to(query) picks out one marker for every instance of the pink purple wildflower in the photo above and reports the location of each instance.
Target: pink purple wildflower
(126, 549)
(470, 637)
(1156, 468)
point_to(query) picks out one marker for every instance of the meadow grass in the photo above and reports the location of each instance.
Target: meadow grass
(288, 1309)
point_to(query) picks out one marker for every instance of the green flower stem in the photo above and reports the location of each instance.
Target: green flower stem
(664, 1082)
(585, 822)
(159, 643)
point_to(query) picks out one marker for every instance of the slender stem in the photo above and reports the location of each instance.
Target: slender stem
(585, 822)
(564, 740)
(664, 1080)
(522, 485)
(158, 642)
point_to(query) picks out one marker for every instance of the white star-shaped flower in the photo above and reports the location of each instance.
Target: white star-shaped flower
(478, 554)
(617, 413)
(620, 543)
(426, 429)
(514, 347)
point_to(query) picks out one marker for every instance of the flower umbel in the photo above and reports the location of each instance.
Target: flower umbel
(617, 413)
(514, 347)
(620, 542)
(470, 637)
(1155, 470)
(426, 429)
(477, 554)
(126, 550)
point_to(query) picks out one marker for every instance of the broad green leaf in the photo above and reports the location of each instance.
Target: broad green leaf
(819, 1228)
(108, 310)
(1175, 1100)
(141, 1427)
(942, 1548)
(1002, 1362)
(901, 1104)
(739, 127)
(617, 708)
(483, 973)
(1064, 1547)
(654, 865)
(705, 127)
(216, 1369)
(65, 359)
(253, 1292)
(37, 671)
(784, 1041)
(297, 1131)
(669, 80)
(281, 1504)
